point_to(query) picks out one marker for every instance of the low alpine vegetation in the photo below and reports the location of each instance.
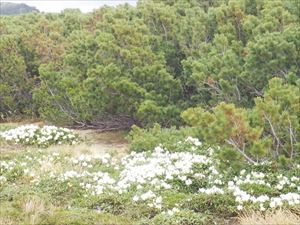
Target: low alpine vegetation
(40, 136)
(208, 92)
(187, 184)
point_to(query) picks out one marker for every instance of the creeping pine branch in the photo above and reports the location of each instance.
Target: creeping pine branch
(242, 151)
(256, 92)
(238, 92)
(218, 90)
(274, 134)
(291, 137)
(165, 30)
(63, 110)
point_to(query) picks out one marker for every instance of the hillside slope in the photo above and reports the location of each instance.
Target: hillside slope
(8, 8)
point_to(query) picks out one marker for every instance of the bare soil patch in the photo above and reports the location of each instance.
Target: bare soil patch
(94, 142)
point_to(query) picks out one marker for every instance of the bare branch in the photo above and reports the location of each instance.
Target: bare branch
(231, 142)
(274, 134)
(238, 92)
(165, 30)
(291, 138)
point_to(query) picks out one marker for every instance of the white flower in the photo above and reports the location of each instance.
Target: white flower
(239, 207)
(135, 198)
(261, 207)
(158, 200)
(272, 204)
(2, 179)
(147, 195)
(172, 211)
(188, 182)
(33, 134)
(194, 141)
(212, 190)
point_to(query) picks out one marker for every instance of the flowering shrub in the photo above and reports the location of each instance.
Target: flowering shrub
(41, 136)
(283, 190)
(144, 184)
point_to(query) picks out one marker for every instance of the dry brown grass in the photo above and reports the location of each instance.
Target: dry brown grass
(7, 221)
(33, 207)
(278, 217)
(49, 166)
(96, 143)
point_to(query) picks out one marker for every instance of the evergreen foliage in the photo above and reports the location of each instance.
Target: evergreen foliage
(125, 65)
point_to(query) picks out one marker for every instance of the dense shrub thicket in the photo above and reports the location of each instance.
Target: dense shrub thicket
(268, 130)
(235, 62)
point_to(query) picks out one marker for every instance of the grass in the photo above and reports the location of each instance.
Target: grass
(94, 143)
(63, 203)
(19, 204)
(7, 221)
(278, 217)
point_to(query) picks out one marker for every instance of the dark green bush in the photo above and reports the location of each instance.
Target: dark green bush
(265, 131)
(124, 65)
(114, 204)
(147, 139)
(61, 192)
(183, 217)
(69, 217)
(218, 205)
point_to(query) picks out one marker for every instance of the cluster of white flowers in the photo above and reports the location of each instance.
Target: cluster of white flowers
(284, 181)
(289, 198)
(194, 141)
(265, 201)
(160, 169)
(155, 201)
(2, 179)
(83, 161)
(41, 136)
(29, 165)
(87, 160)
(94, 182)
(172, 211)
(212, 190)
(4, 165)
(252, 178)
(25, 132)
(149, 175)
(100, 181)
